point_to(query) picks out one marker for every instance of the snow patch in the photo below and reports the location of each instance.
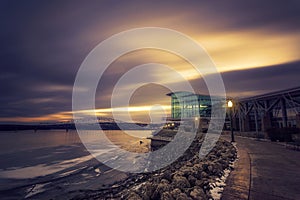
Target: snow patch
(220, 183)
(42, 169)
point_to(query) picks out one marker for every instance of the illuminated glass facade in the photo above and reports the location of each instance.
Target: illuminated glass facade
(188, 105)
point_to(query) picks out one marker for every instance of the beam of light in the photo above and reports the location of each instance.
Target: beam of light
(230, 50)
(143, 109)
(246, 49)
(57, 117)
(68, 116)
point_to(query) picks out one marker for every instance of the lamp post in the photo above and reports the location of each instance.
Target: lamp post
(196, 124)
(230, 106)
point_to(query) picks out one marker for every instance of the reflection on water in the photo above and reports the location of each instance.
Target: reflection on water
(25, 140)
(133, 141)
(29, 154)
(11, 141)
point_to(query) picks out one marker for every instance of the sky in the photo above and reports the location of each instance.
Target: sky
(254, 45)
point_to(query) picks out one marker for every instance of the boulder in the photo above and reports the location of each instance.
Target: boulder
(182, 196)
(175, 192)
(186, 171)
(161, 188)
(198, 193)
(192, 180)
(180, 182)
(147, 190)
(204, 175)
(134, 196)
(166, 196)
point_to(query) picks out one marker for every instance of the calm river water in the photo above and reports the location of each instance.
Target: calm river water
(28, 140)
(29, 154)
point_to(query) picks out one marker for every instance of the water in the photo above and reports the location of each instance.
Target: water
(28, 140)
(11, 142)
(29, 154)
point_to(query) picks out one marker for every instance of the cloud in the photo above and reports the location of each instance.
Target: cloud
(250, 49)
(262, 80)
(253, 43)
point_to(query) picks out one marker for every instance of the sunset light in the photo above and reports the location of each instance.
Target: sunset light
(155, 100)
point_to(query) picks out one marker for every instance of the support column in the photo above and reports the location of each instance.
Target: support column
(256, 121)
(267, 118)
(283, 111)
(240, 121)
(298, 120)
(247, 123)
(266, 122)
(234, 122)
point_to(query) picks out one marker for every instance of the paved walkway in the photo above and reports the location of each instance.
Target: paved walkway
(265, 170)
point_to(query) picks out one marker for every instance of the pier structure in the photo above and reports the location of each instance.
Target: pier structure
(252, 114)
(259, 113)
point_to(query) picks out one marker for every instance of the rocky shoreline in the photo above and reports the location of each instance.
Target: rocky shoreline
(187, 178)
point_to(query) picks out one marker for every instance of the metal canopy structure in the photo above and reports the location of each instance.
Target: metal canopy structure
(261, 112)
(257, 113)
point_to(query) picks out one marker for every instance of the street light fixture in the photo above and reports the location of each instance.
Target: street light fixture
(230, 106)
(196, 124)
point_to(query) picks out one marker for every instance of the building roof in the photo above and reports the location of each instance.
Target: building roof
(292, 91)
(186, 94)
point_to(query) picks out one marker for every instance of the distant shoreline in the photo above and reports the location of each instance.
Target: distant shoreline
(69, 126)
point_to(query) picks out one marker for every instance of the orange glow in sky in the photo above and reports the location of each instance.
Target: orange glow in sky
(47, 47)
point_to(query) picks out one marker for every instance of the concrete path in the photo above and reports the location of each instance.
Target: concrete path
(265, 170)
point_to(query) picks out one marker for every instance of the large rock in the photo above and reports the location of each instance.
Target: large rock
(192, 180)
(198, 193)
(180, 182)
(218, 169)
(167, 175)
(134, 196)
(166, 196)
(204, 166)
(175, 192)
(204, 175)
(182, 196)
(197, 167)
(161, 188)
(199, 183)
(186, 171)
(147, 190)
(210, 169)
(189, 164)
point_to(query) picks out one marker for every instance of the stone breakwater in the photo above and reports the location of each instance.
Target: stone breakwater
(187, 178)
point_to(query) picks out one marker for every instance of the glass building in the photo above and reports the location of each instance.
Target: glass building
(186, 105)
